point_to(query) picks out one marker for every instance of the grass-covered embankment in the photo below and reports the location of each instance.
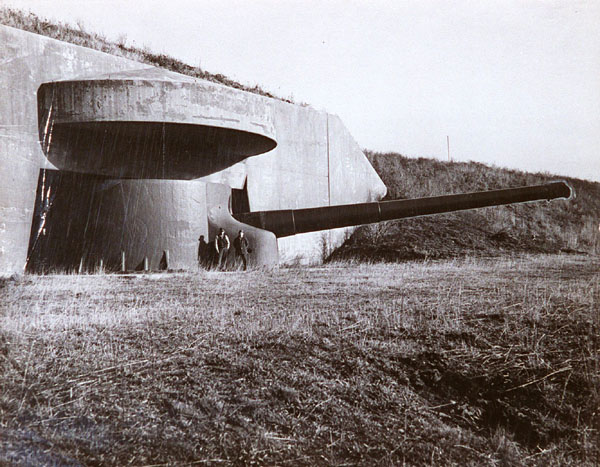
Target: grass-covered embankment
(77, 35)
(542, 227)
(480, 362)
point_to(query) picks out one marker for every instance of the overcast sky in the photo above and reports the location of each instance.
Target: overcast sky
(515, 83)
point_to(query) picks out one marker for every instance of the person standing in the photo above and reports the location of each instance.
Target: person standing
(204, 259)
(241, 246)
(221, 248)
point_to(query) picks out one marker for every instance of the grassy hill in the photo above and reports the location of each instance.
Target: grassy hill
(543, 227)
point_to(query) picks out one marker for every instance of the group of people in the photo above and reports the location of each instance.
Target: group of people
(215, 254)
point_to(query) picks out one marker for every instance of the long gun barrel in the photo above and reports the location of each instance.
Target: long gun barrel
(284, 223)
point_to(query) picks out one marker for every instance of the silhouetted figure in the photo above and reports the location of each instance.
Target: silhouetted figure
(221, 248)
(241, 246)
(204, 258)
(164, 261)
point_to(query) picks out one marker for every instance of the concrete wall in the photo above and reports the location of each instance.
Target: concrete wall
(26, 61)
(316, 161)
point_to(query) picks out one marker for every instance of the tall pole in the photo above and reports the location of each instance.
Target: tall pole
(448, 144)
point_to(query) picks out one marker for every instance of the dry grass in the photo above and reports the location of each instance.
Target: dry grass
(541, 227)
(77, 35)
(481, 362)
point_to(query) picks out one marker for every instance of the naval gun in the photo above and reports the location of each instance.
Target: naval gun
(115, 231)
(264, 227)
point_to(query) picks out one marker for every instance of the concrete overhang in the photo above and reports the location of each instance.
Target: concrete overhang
(150, 123)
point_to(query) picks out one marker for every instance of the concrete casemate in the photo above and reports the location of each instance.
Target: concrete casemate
(131, 160)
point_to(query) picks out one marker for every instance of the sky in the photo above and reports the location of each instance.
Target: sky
(513, 83)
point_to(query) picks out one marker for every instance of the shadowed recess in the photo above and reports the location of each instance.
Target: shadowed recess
(150, 149)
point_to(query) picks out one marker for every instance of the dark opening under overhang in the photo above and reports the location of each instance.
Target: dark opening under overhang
(128, 149)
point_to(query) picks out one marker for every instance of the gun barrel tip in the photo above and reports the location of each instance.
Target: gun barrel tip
(567, 190)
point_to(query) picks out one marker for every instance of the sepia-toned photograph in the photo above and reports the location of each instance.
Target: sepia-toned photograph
(299, 233)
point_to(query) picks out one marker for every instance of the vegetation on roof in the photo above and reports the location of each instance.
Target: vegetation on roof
(76, 35)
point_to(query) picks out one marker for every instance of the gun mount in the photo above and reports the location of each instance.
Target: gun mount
(89, 239)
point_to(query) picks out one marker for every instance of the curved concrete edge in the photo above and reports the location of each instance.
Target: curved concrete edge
(262, 243)
(151, 100)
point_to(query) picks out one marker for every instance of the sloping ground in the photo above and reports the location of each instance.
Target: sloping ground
(461, 362)
(543, 227)
(76, 35)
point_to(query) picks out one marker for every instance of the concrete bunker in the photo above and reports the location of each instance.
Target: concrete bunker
(128, 191)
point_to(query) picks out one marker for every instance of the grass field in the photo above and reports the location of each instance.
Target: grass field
(480, 362)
